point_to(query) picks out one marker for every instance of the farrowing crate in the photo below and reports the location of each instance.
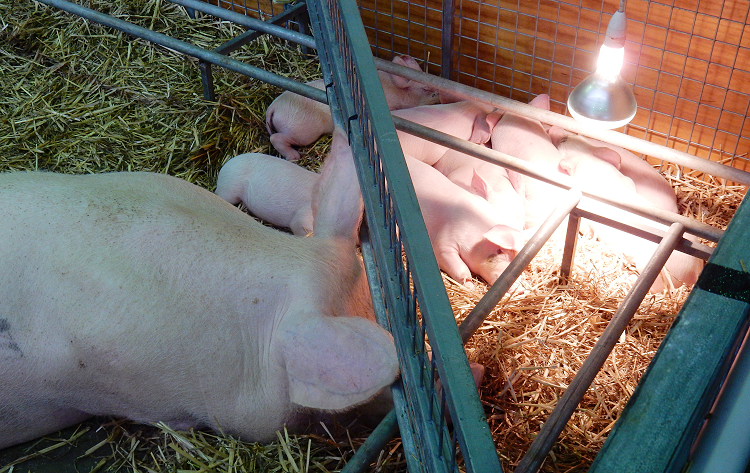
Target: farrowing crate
(431, 449)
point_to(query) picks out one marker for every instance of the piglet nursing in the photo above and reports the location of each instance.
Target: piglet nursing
(467, 120)
(466, 233)
(487, 180)
(294, 120)
(143, 296)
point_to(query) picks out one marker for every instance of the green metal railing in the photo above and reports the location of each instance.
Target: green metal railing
(402, 281)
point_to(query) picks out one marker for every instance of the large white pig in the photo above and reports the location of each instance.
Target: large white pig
(294, 120)
(275, 190)
(143, 296)
(486, 180)
(468, 120)
(597, 169)
(526, 138)
(465, 233)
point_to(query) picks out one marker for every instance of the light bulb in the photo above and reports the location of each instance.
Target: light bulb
(610, 60)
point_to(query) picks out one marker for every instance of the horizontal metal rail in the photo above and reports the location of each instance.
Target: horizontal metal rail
(647, 233)
(620, 139)
(249, 22)
(190, 49)
(252, 33)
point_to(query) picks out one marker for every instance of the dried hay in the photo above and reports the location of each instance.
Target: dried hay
(80, 98)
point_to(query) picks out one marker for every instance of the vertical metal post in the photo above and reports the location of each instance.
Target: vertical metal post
(569, 250)
(446, 51)
(207, 79)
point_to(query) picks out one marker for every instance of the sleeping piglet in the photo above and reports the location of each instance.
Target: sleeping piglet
(468, 120)
(273, 189)
(486, 180)
(464, 230)
(526, 139)
(143, 296)
(294, 120)
(598, 169)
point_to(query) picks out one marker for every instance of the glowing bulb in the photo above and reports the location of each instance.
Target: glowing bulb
(610, 61)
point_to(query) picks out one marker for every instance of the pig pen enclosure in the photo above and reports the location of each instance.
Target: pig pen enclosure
(79, 97)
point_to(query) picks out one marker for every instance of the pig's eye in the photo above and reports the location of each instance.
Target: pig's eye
(498, 254)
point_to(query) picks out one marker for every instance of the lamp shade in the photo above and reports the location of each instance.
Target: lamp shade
(603, 101)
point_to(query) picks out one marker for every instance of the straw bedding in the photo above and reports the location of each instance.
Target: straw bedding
(79, 98)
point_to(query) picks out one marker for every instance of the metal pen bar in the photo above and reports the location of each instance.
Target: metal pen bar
(569, 249)
(190, 49)
(253, 34)
(620, 139)
(572, 396)
(373, 445)
(350, 54)
(665, 217)
(496, 292)
(388, 426)
(249, 22)
(647, 233)
(446, 48)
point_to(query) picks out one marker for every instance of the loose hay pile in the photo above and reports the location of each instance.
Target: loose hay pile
(80, 98)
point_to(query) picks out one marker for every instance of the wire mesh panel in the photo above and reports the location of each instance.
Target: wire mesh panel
(399, 284)
(261, 9)
(687, 62)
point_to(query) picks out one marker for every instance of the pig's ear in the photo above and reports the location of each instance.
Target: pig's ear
(481, 131)
(568, 166)
(403, 82)
(480, 186)
(407, 61)
(609, 155)
(337, 200)
(333, 363)
(540, 101)
(505, 237)
(494, 117)
(557, 135)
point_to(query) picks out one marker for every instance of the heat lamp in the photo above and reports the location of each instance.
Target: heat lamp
(604, 99)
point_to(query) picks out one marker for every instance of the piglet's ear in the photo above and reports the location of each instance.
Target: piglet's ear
(557, 135)
(568, 165)
(480, 186)
(540, 101)
(505, 237)
(406, 61)
(337, 362)
(609, 155)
